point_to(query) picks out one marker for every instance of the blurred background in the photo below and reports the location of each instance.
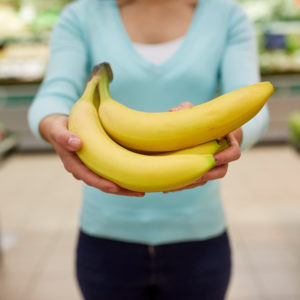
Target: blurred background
(40, 202)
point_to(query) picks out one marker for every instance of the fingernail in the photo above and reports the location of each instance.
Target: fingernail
(73, 141)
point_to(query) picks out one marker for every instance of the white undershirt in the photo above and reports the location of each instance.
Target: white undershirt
(158, 53)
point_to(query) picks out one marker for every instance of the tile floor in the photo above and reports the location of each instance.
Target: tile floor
(38, 226)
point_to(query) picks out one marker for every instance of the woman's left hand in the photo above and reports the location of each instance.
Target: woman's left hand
(232, 153)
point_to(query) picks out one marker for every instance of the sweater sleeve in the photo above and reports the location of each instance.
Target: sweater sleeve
(66, 71)
(240, 67)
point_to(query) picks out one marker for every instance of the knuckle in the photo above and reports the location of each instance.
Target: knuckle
(53, 134)
(68, 166)
(111, 189)
(76, 176)
(238, 154)
(219, 160)
(224, 171)
(59, 137)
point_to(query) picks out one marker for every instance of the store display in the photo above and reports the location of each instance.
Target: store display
(8, 140)
(26, 27)
(23, 62)
(24, 36)
(28, 23)
(277, 24)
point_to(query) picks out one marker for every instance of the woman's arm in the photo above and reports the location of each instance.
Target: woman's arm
(67, 71)
(65, 80)
(240, 67)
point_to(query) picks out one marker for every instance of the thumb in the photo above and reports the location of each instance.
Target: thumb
(73, 142)
(65, 138)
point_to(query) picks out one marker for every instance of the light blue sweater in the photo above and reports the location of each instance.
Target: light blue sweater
(219, 50)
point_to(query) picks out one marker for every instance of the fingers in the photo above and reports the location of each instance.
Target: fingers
(223, 158)
(107, 186)
(68, 140)
(232, 153)
(65, 138)
(183, 105)
(215, 173)
(66, 143)
(81, 172)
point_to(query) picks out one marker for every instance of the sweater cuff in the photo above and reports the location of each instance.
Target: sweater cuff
(255, 129)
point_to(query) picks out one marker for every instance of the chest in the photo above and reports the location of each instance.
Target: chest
(157, 23)
(190, 74)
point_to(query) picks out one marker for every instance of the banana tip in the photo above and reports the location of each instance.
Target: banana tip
(268, 83)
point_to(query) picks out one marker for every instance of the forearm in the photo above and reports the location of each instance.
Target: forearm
(254, 130)
(66, 75)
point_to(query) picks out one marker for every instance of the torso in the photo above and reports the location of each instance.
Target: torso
(156, 21)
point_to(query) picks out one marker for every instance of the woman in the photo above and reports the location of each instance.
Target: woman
(166, 55)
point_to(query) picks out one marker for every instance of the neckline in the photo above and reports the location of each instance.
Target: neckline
(172, 42)
(133, 54)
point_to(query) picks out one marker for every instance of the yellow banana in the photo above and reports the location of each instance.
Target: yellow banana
(211, 147)
(168, 131)
(133, 171)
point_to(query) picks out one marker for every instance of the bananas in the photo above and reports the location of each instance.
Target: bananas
(169, 131)
(156, 152)
(131, 170)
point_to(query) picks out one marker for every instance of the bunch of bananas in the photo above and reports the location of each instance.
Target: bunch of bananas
(155, 152)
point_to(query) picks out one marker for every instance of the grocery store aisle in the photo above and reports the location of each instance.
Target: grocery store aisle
(40, 203)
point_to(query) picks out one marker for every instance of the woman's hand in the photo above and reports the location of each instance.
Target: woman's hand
(54, 129)
(232, 153)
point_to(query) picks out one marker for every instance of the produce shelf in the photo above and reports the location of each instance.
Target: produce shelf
(9, 142)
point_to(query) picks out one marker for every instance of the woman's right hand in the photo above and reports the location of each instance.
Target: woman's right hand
(54, 129)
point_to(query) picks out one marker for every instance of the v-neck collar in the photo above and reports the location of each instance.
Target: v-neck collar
(131, 52)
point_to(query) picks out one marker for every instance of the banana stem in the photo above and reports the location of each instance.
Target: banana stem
(105, 74)
(102, 74)
(104, 88)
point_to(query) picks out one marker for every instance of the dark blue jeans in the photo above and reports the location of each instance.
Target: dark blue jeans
(115, 270)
